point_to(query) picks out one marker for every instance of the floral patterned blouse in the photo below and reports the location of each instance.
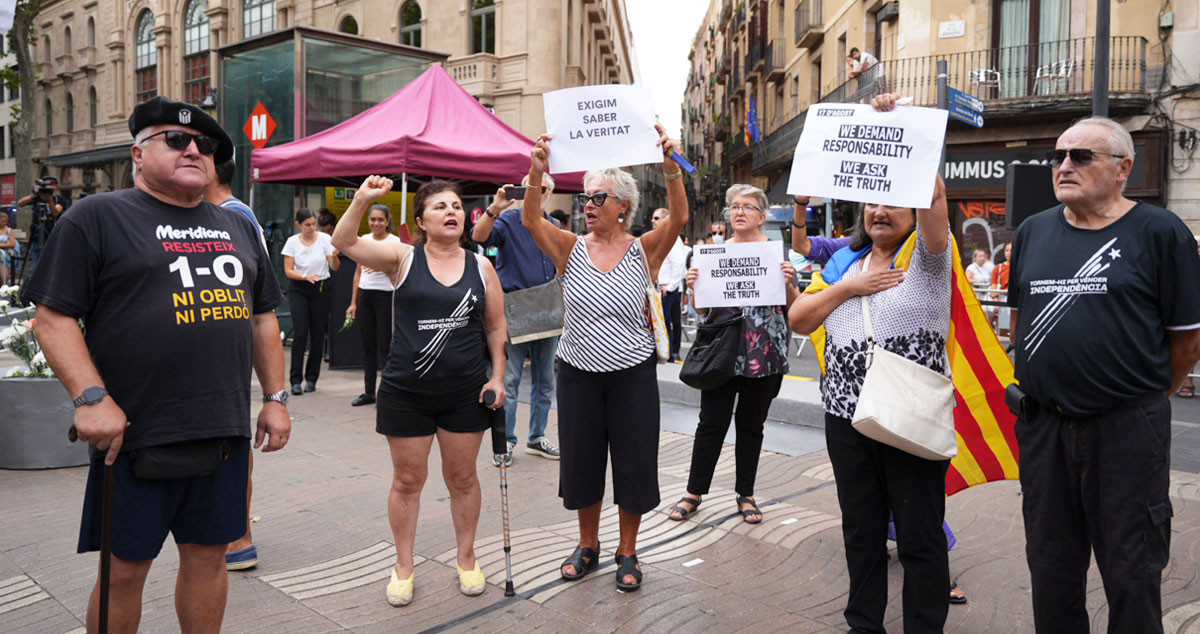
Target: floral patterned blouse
(765, 339)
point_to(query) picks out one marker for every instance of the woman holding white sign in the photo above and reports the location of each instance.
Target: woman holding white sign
(758, 372)
(897, 265)
(607, 385)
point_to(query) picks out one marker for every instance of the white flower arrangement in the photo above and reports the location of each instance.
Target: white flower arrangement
(21, 340)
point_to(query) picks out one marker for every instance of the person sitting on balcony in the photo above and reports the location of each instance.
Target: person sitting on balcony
(859, 62)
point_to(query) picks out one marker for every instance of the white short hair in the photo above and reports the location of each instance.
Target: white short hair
(624, 188)
(1119, 140)
(742, 189)
(139, 139)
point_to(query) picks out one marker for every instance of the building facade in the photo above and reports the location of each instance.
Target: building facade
(1030, 61)
(99, 58)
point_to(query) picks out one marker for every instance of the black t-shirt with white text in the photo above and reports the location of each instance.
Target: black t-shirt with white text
(1096, 305)
(167, 294)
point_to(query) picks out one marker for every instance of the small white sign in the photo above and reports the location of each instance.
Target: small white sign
(854, 152)
(594, 127)
(953, 28)
(739, 274)
(689, 564)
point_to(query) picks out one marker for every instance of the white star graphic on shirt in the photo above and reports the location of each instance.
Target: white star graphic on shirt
(474, 298)
(1114, 253)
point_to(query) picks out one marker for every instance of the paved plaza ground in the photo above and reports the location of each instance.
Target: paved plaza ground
(326, 548)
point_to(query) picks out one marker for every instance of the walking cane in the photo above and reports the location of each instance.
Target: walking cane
(500, 447)
(106, 514)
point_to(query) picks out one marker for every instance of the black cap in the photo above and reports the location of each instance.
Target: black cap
(160, 110)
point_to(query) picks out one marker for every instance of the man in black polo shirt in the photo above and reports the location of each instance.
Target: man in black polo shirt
(1108, 327)
(176, 295)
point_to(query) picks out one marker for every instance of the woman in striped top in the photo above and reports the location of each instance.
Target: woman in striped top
(607, 384)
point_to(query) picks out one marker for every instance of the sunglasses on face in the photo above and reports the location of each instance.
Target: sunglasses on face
(179, 141)
(1079, 156)
(598, 199)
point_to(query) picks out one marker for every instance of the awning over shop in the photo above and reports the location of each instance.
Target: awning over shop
(431, 127)
(97, 157)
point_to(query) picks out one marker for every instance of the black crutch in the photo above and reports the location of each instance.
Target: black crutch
(500, 447)
(106, 521)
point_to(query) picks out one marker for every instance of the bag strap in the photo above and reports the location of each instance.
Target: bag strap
(645, 265)
(864, 300)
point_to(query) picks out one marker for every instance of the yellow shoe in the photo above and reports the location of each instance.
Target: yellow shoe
(471, 583)
(400, 591)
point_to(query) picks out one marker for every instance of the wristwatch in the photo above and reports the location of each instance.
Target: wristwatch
(91, 396)
(488, 211)
(282, 397)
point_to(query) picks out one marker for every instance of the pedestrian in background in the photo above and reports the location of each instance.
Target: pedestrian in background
(757, 373)
(371, 306)
(607, 385)
(521, 265)
(670, 284)
(912, 320)
(1104, 295)
(979, 272)
(447, 352)
(308, 258)
(152, 380)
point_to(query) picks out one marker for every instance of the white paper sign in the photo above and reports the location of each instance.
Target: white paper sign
(739, 274)
(854, 152)
(954, 28)
(594, 127)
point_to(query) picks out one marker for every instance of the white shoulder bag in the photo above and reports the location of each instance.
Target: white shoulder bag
(904, 404)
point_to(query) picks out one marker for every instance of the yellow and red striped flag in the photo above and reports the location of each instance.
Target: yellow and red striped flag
(980, 369)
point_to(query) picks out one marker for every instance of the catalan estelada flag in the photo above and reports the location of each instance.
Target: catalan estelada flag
(987, 442)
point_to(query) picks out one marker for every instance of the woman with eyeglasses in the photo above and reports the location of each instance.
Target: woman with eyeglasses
(757, 373)
(308, 258)
(910, 316)
(607, 384)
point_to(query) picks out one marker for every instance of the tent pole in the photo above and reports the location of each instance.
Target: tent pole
(404, 198)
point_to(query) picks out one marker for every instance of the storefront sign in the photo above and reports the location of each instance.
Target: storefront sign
(987, 170)
(260, 126)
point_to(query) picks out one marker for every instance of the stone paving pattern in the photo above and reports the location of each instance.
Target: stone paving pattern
(325, 548)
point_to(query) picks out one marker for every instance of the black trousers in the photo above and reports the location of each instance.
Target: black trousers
(671, 314)
(754, 398)
(1100, 484)
(375, 326)
(310, 304)
(872, 479)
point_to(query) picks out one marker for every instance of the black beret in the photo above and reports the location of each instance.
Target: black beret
(160, 110)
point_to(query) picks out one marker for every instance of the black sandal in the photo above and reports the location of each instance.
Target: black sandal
(684, 513)
(753, 510)
(627, 565)
(957, 600)
(583, 559)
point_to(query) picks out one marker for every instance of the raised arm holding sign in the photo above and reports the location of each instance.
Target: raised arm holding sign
(594, 127)
(856, 152)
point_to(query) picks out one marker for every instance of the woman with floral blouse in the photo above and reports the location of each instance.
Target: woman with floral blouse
(758, 372)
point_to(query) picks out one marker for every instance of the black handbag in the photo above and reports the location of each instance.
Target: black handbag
(180, 459)
(710, 361)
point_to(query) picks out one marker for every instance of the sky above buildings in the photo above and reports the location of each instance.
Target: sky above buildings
(662, 37)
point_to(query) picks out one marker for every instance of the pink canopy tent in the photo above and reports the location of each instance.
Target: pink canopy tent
(431, 127)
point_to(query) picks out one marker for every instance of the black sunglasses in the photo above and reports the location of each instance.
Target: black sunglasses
(598, 199)
(1079, 156)
(179, 140)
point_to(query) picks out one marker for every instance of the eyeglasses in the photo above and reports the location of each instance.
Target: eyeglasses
(179, 141)
(598, 199)
(1079, 156)
(745, 208)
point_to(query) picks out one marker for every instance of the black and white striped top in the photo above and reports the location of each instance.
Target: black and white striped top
(605, 327)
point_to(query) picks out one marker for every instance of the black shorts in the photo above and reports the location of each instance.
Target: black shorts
(603, 412)
(209, 510)
(409, 415)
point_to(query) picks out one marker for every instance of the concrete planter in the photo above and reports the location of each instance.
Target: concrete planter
(33, 430)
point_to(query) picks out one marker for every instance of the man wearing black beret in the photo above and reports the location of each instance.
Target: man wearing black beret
(177, 297)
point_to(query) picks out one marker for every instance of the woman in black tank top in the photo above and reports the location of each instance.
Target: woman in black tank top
(447, 350)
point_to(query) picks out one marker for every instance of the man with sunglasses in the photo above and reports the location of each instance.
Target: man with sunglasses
(520, 264)
(1108, 327)
(177, 295)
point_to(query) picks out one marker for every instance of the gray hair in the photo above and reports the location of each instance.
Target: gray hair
(140, 139)
(624, 188)
(1119, 139)
(742, 189)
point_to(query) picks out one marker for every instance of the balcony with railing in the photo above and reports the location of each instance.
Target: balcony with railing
(774, 152)
(1058, 74)
(736, 146)
(754, 59)
(739, 17)
(735, 80)
(477, 73)
(775, 63)
(810, 23)
(726, 11)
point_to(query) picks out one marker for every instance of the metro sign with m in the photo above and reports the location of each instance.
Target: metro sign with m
(260, 126)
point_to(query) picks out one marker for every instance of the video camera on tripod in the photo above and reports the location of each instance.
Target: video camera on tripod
(43, 201)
